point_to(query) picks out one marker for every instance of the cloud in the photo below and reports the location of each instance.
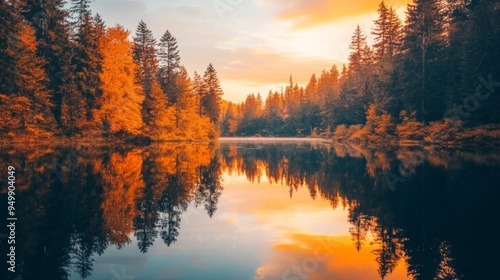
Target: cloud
(269, 67)
(323, 257)
(307, 14)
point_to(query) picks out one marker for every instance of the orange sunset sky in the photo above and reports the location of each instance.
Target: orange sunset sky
(255, 45)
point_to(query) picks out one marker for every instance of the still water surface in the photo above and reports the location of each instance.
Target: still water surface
(254, 209)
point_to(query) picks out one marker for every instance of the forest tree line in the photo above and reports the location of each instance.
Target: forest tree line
(431, 78)
(64, 73)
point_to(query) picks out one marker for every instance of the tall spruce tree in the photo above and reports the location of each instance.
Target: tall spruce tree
(387, 32)
(388, 35)
(212, 98)
(144, 53)
(169, 65)
(357, 46)
(87, 58)
(422, 69)
(480, 62)
(380, 31)
(145, 56)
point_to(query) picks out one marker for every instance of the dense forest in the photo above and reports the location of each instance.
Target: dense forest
(432, 78)
(63, 73)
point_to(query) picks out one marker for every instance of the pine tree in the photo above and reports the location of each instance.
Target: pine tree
(358, 89)
(480, 60)
(87, 58)
(380, 31)
(200, 91)
(395, 33)
(212, 98)
(169, 65)
(144, 53)
(358, 44)
(387, 32)
(329, 94)
(145, 56)
(423, 71)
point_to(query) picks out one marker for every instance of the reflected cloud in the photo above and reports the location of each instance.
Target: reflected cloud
(322, 257)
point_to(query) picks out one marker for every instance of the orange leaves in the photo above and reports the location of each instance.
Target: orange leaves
(122, 99)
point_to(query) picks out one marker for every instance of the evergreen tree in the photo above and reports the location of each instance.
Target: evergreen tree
(423, 46)
(199, 90)
(388, 36)
(145, 56)
(87, 58)
(358, 44)
(144, 53)
(329, 94)
(480, 61)
(169, 65)
(212, 97)
(387, 32)
(395, 33)
(380, 31)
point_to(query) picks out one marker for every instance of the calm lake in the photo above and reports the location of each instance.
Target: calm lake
(252, 209)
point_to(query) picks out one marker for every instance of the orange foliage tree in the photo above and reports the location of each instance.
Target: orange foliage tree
(121, 102)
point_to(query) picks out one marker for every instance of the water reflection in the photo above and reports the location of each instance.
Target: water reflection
(438, 222)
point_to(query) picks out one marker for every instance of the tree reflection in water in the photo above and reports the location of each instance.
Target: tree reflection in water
(442, 219)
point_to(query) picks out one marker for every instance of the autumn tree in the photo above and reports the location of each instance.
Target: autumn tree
(189, 124)
(25, 105)
(10, 21)
(122, 98)
(52, 32)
